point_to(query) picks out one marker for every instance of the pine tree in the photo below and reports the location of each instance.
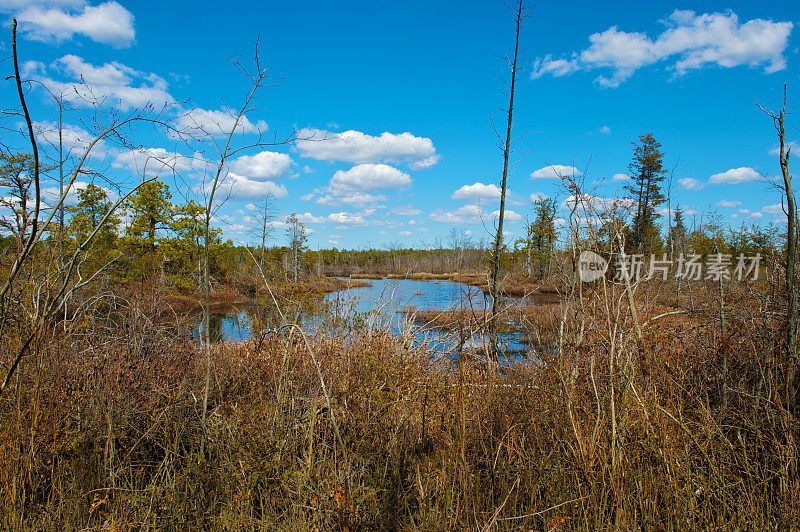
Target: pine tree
(296, 237)
(542, 235)
(93, 205)
(677, 233)
(150, 209)
(647, 171)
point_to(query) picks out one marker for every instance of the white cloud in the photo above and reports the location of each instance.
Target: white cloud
(242, 188)
(621, 177)
(405, 233)
(112, 83)
(689, 183)
(406, 211)
(537, 196)
(734, 175)
(218, 123)
(366, 177)
(756, 214)
(357, 147)
(509, 216)
(52, 194)
(554, 67)
(107, 23)
(156, 161)
(263, 165)
(357, 199)
(308, 218)
(605, 130)
(555, 171)
(353, 186)
(468, 214)
(590, 204)
(728, 204)
(73, 138)
(477, 192)
(347, 218)
(792, 145)
(773, 209)
(307, 197)
(689, 42)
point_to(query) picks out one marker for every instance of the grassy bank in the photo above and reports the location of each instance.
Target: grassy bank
(685, 428)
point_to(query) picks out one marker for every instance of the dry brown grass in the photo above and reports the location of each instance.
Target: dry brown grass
(697, 432)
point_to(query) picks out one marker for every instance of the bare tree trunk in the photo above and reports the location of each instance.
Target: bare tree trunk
(791, 237)
(498, 241)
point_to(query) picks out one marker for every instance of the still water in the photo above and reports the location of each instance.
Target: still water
(381, 306)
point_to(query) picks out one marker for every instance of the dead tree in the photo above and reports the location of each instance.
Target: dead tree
(790, 264)
(520, 13)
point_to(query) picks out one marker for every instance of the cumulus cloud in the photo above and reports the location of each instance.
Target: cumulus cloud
(728, 204)
(348, 218)
(509, 216)
(354, 186)
(217, 122)
(621, 177)
(689, 42)
(357, 147)
(107, 23)
(734, 175)
(73, 139)
(555, 171)
(308, 218)
(243, 188)
(471, 214)
(477, 192)
(156, 161)
(468, 214)
(263, 165)
(114, 83)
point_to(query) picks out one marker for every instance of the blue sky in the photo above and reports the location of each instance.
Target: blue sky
(406, 92)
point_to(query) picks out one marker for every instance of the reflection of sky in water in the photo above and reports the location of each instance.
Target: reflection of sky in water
(381, 303)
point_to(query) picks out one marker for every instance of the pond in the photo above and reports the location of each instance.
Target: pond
(381, 305)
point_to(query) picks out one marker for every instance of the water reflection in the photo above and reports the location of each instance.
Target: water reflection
(380, 305)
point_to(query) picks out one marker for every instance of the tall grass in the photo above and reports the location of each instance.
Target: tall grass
(102, 429)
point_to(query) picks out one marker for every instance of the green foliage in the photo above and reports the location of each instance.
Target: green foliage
(93, 205)
(150, 211)
(540, 237)
(647, 171)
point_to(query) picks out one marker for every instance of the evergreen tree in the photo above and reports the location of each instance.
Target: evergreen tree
(677, 233)
(150, 210)
(296, 238)
(542, 235)
(93, 205)
(647, 171)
